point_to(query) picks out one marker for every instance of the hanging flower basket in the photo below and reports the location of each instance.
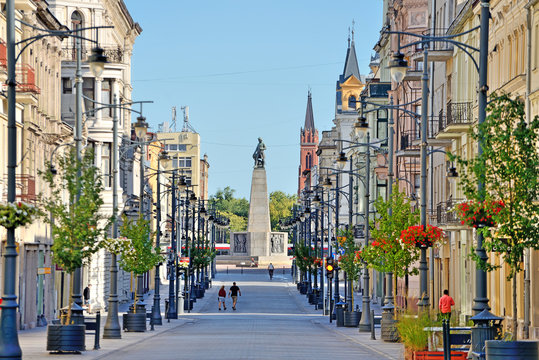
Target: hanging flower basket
(479, 214)
(13, 215)
(422, 237)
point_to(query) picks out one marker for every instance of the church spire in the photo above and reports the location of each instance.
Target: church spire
(350, 65)
(309, 118)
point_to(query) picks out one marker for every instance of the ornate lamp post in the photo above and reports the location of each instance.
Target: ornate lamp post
(9, 342)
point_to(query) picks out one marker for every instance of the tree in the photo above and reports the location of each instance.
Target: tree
(280, 205)
(350, 259)
(78, 226)
(235, 209)
(508, 168)
(387, 253)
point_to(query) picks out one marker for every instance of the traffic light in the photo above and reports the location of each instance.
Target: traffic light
(329, 268)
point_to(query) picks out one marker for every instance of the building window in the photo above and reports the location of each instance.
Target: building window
(67, 86)
(182, 147)
(106, 96)
(88, 90)
(381, 189)
(308, 161)
(381, 126)
(352, 102)
(76, 20)
(106, 169)
(184, 162)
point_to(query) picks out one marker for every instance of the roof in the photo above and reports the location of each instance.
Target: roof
(350, 64)
(309, 118)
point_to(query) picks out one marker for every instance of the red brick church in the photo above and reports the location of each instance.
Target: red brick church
(308, 145)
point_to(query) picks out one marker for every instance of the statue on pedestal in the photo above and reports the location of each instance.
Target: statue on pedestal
(258, 155)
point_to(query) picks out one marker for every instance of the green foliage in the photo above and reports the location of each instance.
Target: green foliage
(78, 225)
(304, 260)
(236, 209)
(202, 256)
(509, 169)
(350, 259)
(141, 256)
(388, 253)
(280, 205)
(13, 215)
(411, 331)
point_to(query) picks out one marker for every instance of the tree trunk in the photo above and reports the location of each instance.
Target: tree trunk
(70, 292)
(515, 322)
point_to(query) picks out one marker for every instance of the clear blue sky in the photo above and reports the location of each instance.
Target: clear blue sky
(244, 69)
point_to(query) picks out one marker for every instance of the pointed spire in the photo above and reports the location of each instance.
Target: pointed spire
(309, 118)
(350, 66)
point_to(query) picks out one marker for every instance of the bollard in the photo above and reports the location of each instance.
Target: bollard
(373, 335)
(227, 269)
(242, 269)
(97, 330)
(283, 270)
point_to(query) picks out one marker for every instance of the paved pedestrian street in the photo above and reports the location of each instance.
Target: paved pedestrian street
(272, 321)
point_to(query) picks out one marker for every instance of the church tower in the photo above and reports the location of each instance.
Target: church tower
(308, 145)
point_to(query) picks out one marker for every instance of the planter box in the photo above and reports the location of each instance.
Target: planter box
(66, 338)
(514, 350)
(135, 322)
(352, 318)
(439, 355)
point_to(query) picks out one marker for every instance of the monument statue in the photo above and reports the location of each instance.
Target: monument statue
(258, 155)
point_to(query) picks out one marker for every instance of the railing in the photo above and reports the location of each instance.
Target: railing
(445, 213)
(26, 79)
(438, 45)
(459, 113)
(113, 54)
(407, 138)
(434, 124)
(25, 186)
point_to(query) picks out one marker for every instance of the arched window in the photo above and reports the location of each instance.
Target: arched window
(76, 20)
(308, 161)
(352, 102)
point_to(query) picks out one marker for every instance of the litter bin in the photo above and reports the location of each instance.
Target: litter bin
(339, 311)
(166, 307)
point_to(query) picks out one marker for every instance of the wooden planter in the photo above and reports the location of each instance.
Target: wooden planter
(66, 338)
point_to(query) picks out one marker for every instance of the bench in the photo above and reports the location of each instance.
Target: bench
(463, 339)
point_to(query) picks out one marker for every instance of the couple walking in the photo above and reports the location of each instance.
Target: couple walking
(233, 293)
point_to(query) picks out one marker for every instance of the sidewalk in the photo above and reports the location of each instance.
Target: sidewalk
(34, 342)
(388, 350)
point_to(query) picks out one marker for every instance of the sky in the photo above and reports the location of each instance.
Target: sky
(244, 68)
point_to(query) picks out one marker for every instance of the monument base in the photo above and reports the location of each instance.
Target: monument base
(266, 247)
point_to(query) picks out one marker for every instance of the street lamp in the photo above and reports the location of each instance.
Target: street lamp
(398, 66)
(164, 160)
(9, 342)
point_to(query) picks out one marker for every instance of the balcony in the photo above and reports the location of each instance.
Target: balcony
(25, 188)
(408, 145)
(434, 126)
(26, 79)
(445, 214)
(458, 120)
(113, 54)
(439, 51)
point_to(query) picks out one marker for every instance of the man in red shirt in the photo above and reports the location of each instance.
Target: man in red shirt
(445, 304)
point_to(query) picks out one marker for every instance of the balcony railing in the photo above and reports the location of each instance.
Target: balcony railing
(113, 54)
(438, 45)
(445, 214)
(435, 124)
(26, 79)
(459, 113)
(407, 139)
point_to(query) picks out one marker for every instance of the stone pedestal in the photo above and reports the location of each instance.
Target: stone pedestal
(259, 241)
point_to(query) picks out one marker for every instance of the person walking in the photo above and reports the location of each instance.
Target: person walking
(445, 304)
(271, 268)
(86, 296)
(221, 297)
(233, 292)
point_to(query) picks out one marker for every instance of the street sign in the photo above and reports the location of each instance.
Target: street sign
(43, 270)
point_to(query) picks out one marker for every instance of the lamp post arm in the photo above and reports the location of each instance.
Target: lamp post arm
(50, 33)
